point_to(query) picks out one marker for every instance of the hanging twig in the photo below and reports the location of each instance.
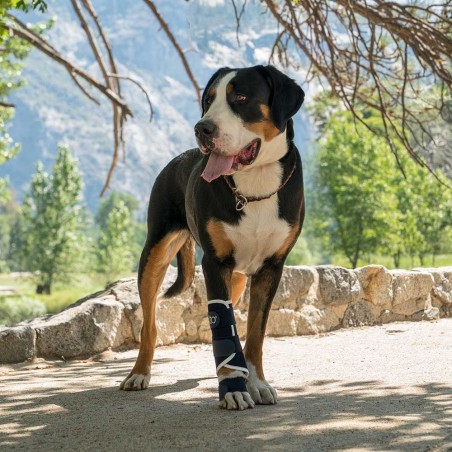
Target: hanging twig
(142, 88)
(175, 44)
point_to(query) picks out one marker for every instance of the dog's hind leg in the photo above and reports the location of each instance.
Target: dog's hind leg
(238, 284)
(155, 259)
(263, 288)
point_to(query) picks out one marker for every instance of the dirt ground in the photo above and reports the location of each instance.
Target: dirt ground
(365, 389)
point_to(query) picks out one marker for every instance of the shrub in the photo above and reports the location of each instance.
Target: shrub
(17, 309)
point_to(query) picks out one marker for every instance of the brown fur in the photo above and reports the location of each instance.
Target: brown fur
(222, 245)
(264, 128)
(289, 241)
(238, 284)
(157, 263)
(259, 301)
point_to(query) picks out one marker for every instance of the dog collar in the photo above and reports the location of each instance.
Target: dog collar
(242, 200)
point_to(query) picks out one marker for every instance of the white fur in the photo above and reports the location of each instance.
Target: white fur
(260, 232)
(136, 382)
(233, 137)
(260, 391)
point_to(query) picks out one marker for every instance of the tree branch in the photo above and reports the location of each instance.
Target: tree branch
(175, 44)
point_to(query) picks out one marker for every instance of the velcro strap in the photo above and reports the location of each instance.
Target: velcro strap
(223, 347)
(227, 349)
(231, 385)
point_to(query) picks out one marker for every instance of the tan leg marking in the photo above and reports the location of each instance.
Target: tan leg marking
(255, 330)
(238, 284)
(222, 245)
(260, 391)
(289, 241)
(188, 260)
(265, 127)
(157, 263)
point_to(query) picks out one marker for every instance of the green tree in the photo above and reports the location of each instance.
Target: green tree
(114, 250)
(426, 212)
(355, 206)
(53, 219)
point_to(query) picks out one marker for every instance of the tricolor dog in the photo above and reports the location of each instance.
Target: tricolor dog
(240, 197)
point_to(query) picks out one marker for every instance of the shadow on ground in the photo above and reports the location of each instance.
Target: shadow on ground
(56, 411)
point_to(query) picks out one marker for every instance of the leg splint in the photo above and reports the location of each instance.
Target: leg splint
(227, 349)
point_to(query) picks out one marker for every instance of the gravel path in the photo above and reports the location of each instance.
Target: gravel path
(365, 389)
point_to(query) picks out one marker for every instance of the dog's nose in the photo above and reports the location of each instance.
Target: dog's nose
(205, 128)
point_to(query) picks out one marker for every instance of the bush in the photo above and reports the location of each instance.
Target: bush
(17, 309)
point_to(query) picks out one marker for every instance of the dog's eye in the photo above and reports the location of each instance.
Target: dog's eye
(240, 98)
(208, 101)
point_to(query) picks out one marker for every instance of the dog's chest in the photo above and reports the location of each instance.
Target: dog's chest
(260, 232)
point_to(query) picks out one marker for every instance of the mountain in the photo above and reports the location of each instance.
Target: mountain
(51, 109)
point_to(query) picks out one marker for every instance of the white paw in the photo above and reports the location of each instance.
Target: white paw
(135, 382)
(237, 401)
(261, 392)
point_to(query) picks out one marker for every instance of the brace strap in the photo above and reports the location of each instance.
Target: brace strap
(227, 349)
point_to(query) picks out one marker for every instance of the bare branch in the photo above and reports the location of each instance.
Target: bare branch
(381, 54)
(142, 88)
(6, 105)
(25, 33)
(175, 44)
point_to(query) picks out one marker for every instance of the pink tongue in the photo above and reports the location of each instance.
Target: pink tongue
(217, 165)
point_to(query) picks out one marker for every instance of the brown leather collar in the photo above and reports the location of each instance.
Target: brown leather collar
(242, 201)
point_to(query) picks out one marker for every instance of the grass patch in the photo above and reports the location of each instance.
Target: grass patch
(63, 294)
(15, 309)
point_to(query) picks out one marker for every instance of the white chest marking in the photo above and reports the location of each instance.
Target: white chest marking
(260, 233)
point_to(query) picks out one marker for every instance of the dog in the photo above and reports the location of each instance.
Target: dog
(240, 197)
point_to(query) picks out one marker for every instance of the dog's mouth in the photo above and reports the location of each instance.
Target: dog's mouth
(219, 165)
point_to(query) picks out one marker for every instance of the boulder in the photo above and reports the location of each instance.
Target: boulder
(358, 313)
(411, 291)
(294, 287)
(83, 330)
(442, 289)
(337, 285)
(17, 344)
(376, 283)
(282, 322)
(313, 320)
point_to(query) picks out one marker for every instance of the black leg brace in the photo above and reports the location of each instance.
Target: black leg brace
(227, 349)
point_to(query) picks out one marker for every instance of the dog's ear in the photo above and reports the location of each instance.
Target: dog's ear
(286, 96)
(218, 74)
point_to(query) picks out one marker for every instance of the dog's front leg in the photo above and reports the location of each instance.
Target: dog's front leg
(263, 288)
(229, 359)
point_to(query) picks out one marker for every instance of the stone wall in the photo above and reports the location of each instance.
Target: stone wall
(310, 300)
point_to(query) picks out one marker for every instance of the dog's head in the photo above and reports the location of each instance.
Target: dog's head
(245, 115)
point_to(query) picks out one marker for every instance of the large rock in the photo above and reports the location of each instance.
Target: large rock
(282, 322)
(169, 319)
(83, 330)
(376, 283)
(17, 344)
(358, 314)
(294, 287)
(442, 289)
(313, 320)
(411, 291)
(337, 285)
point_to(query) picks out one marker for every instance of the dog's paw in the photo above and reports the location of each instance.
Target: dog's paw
(135, 382)
(261, 392)
(233, 393)
(237, 401)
